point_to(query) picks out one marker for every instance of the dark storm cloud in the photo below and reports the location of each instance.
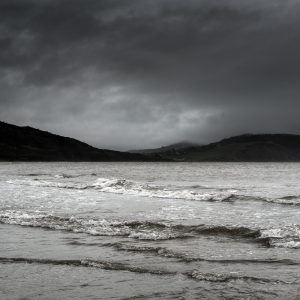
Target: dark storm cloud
(144, 72)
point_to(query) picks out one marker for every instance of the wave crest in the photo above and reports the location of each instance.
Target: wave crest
(117, 266)
(128, 187)
(123, 186)
(288, 236)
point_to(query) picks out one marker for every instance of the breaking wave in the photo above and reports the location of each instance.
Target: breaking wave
(122, 186)
(127, 187)
(288, 236)
(142, 230)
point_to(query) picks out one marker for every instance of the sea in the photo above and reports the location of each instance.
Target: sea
(149, 230)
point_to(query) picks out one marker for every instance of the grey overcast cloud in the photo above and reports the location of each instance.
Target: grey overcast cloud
(127, 74)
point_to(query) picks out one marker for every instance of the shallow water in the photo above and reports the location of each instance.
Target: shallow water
(149, 231)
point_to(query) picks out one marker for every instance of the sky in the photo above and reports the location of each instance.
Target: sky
(131, 74)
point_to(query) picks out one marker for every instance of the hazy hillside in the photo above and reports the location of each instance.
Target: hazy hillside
(173, 147)
(30, 144)
(260, 148)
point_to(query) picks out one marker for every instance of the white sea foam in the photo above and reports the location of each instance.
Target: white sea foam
(122, 186)
(286, 237)
(289, 244)
(135, 188)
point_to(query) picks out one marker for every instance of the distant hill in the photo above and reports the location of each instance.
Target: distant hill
(173, 147)
(30, 144)
(244, 148)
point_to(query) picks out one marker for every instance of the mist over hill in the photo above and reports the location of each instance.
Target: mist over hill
(168, 148)
(248, 148)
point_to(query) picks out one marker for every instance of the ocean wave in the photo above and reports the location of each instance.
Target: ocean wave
(288, 200)
(64, 175)
(61, 175)
(35, 174)
(221, 277)
(122, 186)
(288, 236)
(52, 184)
(164, 252)
(117, 266)
(142, 230)
(105, 265)
(127, 187)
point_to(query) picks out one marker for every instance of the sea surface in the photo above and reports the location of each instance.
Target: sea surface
(149, 231)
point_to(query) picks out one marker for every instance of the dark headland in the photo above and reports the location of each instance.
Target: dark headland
(30, 144)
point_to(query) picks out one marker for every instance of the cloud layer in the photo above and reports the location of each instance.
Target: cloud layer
(142, 73)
